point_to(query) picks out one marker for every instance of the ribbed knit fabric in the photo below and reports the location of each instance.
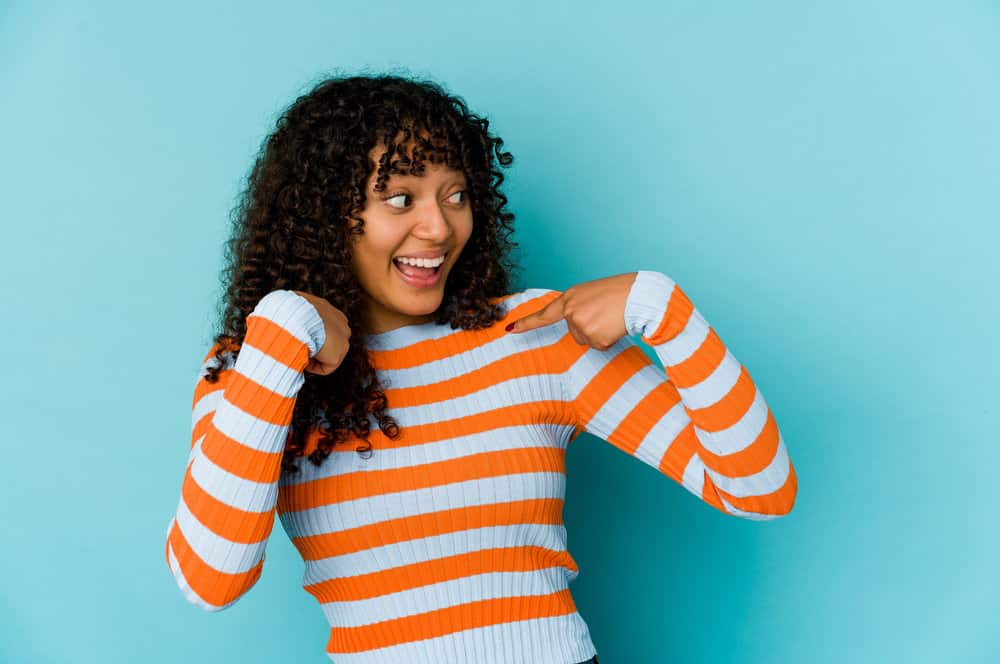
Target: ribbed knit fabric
(448, 544)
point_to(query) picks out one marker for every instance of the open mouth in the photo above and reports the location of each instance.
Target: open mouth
(416, 271)
(419, 276)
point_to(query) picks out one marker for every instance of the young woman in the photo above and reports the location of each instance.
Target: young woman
(364, 386)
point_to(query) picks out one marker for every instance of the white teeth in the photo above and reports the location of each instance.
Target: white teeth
(422, 262)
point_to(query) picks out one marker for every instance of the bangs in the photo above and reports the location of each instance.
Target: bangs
(411, 145)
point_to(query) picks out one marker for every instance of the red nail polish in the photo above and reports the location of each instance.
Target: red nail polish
(510, 327)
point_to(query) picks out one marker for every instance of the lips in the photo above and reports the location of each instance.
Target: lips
(437, 269)
(418, 281)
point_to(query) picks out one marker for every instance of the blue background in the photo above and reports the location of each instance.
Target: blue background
(820, 178)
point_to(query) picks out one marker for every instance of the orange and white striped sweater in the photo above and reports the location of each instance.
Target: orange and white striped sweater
(448, 544)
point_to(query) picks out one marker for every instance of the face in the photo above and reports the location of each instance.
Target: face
(411, 216)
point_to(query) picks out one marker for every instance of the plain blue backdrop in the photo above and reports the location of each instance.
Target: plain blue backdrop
(821, 178)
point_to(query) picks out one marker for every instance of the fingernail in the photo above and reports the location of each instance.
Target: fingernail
(510, 327)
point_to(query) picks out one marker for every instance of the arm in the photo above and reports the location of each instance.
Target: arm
(216, 540)
(704, 423)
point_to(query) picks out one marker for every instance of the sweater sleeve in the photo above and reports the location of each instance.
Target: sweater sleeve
(216, 539)
(700, 420)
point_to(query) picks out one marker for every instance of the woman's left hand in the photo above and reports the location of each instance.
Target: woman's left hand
(594, 311)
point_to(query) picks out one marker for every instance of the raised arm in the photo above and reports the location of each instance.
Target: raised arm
(239, 426)
(704, 423)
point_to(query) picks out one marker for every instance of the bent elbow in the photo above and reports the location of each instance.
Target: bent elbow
(193, 598)
(759, 507)
(220, 594)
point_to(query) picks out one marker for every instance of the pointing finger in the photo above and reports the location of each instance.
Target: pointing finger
(547, 315)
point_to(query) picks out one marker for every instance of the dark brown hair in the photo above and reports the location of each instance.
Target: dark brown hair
(291, 230)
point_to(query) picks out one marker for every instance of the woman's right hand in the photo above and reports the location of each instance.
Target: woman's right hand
(338, 332)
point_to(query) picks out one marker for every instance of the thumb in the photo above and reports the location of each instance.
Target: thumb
(547, 315)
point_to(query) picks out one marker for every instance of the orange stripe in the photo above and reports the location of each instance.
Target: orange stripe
(227, 344)
(224, 520)
(679, 453)
(639, 421)
(215, 587)
(365, 483)
(700, 364)
(531, 362)
(234, 457)
(751, 460)
(603, 386)
(527, 413)
(203, 387)
(674, 320)
(779, 501)
(430, 350)
(728, 410)
(277, 342)
(252, 397)
(445, 568)
(201, 427)
(710, 493)
(448, 620)
(547, 511)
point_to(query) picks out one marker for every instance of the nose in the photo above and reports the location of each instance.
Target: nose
(434, 224)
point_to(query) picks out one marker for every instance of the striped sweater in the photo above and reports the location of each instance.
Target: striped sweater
(448, 544)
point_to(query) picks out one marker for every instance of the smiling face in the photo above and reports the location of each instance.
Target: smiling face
(428, 214)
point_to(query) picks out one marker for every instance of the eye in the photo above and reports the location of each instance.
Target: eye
(465, 196)
(394, 196)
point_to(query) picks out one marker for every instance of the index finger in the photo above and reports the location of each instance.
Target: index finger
(547, 315)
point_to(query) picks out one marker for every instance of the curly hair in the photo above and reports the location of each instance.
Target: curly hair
(292, 230)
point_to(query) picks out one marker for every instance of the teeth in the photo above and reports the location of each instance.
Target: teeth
(421, 262)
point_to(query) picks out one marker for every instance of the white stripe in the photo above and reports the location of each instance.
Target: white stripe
(453, 592)
(647, 302)
(553, 639)
(243, 494)
(588, 365)
(186, 591)
(429, 372)
(376, 559)
(334, 517)
(655, 443)
(686, 342)
(753, 516)
(693, 478)
(741, 434)
(620, 404)
(246, 428)
(205, 405)
(258, 366)
(769, 480)
(694, 481)
(715, 386)
(406, 336)
(228, 359)
(517, 391)
(346, 460)
(294, 314)
(196, 449)
(217, 552)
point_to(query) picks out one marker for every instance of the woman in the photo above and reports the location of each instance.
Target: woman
(366, 387)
